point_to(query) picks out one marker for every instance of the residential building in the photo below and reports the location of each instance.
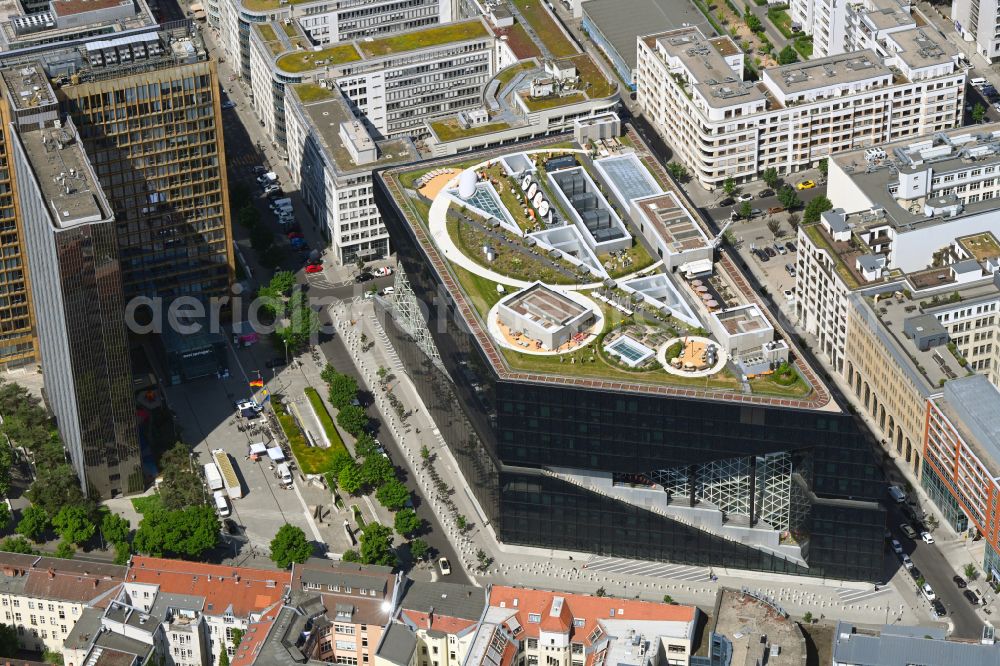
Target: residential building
(839, 27)
(894, 644)
(962, 461)
(561, 455)
(979, 22)
(69, 233)
(443, 618)
(542, 627)
(721, 126)
(44, 597)
(331, 156)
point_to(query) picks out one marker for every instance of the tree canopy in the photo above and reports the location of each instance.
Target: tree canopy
(34, 522)
(74, 524)
(8, 641)
(377, 470)
(352, 419)
(393, 495)
(787, 56)
(407, 522)
(349, 479)
(290, 545)
(815, 208)
(114, 528)
(186, 533)
(181, 486)
(376, 545)
(343, 389)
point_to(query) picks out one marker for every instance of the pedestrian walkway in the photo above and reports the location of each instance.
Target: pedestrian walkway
(647, 568)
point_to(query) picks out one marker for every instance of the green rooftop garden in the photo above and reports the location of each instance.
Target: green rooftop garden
(266, 32)
(535, 13)
(290, 29)
(450, 129)
(521, 43)
(312, 92)
(425, 38)
(303, 61)
(816, 235)
(552, 101)
(268, 5)
(507, 75)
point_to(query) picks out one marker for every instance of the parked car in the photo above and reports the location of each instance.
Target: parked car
(229, 104)
(272, 189)
(362, 277)
(761, 255)
(896, 546)
(907, 562)
(728, 201)
(939, 609)
(959, 582)
(971, 596)
(276, 362)
(908, 531)
(314, 268)
(388, 290)
(770, 251)
(928, 592)
(805, 185)
(790, 269)
(780, 248)
(789, 295)
(258, 170)
(774, 210)
(927, 538)
(765, 193)
(445, 566)
(755, 212)
(915, 573)
(790, 246)
(383, 271)
(276, 194)
(745, 196)
(295, 234)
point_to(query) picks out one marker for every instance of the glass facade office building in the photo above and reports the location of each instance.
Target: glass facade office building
(511, 437)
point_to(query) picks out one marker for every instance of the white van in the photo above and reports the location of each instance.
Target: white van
(284, 474)
(978, 81)
(897, 494)
(221, 503)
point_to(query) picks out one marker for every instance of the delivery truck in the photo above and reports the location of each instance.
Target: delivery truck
(212, 477)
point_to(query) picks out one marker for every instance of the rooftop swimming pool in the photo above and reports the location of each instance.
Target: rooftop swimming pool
(630, 350)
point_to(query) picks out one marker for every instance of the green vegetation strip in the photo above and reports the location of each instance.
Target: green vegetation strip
(311, 92)
(311, 459)
(782, 21)
(145, 505)
(305, 61)
(541, 22)
(817, 237)
(420, 39)
(449, 130)
(332, 434)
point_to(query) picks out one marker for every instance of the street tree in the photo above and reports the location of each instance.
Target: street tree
(17, 544)
(290, 545)
(343, 389)
(8, 641)
(187, 533)
(729, 187)
(365, 446)
(74, 524)
(339, 461)
(677, 171)
(34, 522)
(978, 113)
(793, 220)
(814, 209)
(407, 522)
(65, 550)
(419, 549)
(353, 419)
(6, 465)
(393, 495)
(787, 56)
(771, 176)
(181, 485)
(351, 556)
(376, 545)
(349, 479)
(114, 528)
(123, 551)
(56, 484)
(377, 470)
(824, 166)
(774, 226)
(754, 24)
(788, 198)
(745, 210)
(300, 322)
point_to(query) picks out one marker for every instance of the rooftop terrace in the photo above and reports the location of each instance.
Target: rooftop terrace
(473, 282)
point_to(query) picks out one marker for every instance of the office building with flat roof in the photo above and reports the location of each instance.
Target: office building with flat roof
(568, 450)
(692, 89)
(976, 21)
(77, 291)
(893, 645)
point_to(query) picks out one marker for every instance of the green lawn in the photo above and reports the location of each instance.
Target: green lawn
(303, 61)
(311, 459)
(775, 385)
(449, 130)
(419, 39)
(266, 32)
(521, 43)
(332, 434)
(804, 45)
(552, 102)
(516, 265)
(782, 21)
(595, 84)
(289, 29)
(538, 17)
(144, 505)
(481, 292)
(505, 76)
(310, 92)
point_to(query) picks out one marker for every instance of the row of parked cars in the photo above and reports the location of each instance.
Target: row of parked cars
(281, 205)
(768, 252)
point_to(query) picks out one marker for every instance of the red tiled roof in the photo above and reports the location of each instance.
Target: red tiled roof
(443, 623)
(241, 589)
(254, 638)
(65, 580)
(580, 607)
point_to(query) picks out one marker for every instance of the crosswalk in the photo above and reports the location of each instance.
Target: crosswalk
(643, 568)
(850, 595)
(321, 281)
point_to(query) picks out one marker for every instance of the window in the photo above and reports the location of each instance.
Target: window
(534, 618)
(579, 622)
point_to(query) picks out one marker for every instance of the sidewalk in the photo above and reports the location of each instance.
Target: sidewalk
(583, 572)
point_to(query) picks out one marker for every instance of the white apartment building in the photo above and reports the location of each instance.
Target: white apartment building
(979, 21)
(44, 597)
(692, 90)
(842, 27)
(325, 21)
(331, 154)
(395, 82)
